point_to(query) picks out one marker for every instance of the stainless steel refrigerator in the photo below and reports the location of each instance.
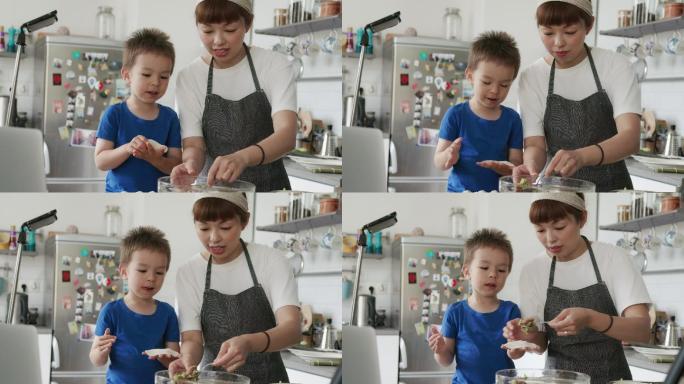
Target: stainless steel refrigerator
(81, 277)
(426, 272)
(76, 79)
(422, 77)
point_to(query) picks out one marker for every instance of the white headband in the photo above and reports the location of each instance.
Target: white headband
(569, 198)
(237, 198)
(584, 5)
(245, 4)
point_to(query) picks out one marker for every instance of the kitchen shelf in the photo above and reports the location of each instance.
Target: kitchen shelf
(14, 252)
(640, 30)
(646, 222)
(295, 226)
(293, 30)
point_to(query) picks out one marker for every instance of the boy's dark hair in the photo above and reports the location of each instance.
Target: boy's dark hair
(217, 209)
(488, 238)
(561, 13)
(221, 11)
(496, 46)
(547, 211)
(147, 238)
(148, 40)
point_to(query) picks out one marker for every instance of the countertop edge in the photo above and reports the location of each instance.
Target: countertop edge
(636, 168)
(295, 170)
(293, 362)
(638, 360)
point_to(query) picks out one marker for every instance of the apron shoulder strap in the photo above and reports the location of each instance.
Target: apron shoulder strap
(593, 260)
(210, 78)
(552, 272)
(593, 68)
(207, 276)
(251, 68)
(249, 263)
(552, 76)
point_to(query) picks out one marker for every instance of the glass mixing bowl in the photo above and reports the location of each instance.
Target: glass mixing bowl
(546, 184)
(205, 377)
(535, 376)
(199, 184)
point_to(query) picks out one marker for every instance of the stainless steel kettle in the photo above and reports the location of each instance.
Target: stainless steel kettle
(365, 311)
(329, 336)
(671, 333)
(672, 142)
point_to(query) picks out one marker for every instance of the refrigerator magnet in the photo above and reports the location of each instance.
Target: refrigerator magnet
(66, 261)
(79, 271)
(417, 75)
(430, 254)
(88, 297)
(73, 327)
(444, 307)
(461, 65)
(424, 273)
(88, 265)
(78, 319)
(445, 279)
(423, 56)
(423, 262)
(404, 64)
(92, 71)
(412, 262)
(425, 311)
(403, 79)
(58, 106)
(79, 311)
(436, 277)
(90, 111)
(416, 63)
(420, 328)
(413, 304)
(75, 55)
(437, 111)
(87, 332)
(429, 79)
(439, 70)
(57, 63)
(92, 82)
(67, 86)
(66, 276)
(93, 95)
(445, 268)
(414, 86)
(421, 285)
(428, 137)
(82, 79)
(85, 252)
(99, 278)
(98, 306)
(100, 293)
(405, 106)
(447, 293)
(451, 67)
(104, 67)
(439, 82)
(69, 62)
(56, 79)
(411, 134)
(90, 275)
(434, 265)
(66, 302)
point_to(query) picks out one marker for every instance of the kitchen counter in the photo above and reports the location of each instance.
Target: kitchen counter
(295, 170)
(293, 362)
(636, 168)
(638, 360)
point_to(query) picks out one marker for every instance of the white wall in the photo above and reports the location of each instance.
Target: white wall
(172, 214)
(175, 17)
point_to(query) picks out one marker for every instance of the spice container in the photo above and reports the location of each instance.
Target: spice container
(624, 18)
(295, 207)
(295, 11)
(669, 203)
(329, 205)
(281, 214)
(624, 213)
(279, 17)
(331, 8)
(673, 10)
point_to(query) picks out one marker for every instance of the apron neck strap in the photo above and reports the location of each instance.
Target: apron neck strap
(593, 71)
(210, 77)
(593, 262)
(207, 277)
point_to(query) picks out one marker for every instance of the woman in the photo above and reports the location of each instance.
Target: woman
(237, 303)
(580, 105)
(236, 103)
(588, 293)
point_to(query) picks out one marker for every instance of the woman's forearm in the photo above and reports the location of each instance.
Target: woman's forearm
(618, 147)
(194, 152)
(283, 335)
(192, 351)
(629, 329)
(534, 155)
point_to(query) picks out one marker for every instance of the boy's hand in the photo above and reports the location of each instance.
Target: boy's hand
(503, 168)
(514, 331)
(138, 147)
(103, 344)
(452, 152)
(436, 341)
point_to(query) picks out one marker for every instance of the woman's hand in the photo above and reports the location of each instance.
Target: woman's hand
(436, 341)
(503, 168)
(565, 163)
(184, 173)
(523, 171)
(571, 321)
(228, 168)
(233, 353)
(181, 365)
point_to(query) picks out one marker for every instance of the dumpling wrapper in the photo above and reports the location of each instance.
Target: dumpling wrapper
(520, 344)
(162, 351)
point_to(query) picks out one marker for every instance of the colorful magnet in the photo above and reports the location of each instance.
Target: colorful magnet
(434, 266)
(413, 304)
(430, 254)
(411, 132)
(436, 277)
(439, 70)
(67, 86)
(82, 79)
(80, 290)
(56, 79)
(452, 283)
(88, 265)
(429, 79)
(437, 111)
(417, 75)
(66, 276)
(90, 275)
(404, 64)
(92, 82)
(73, 327)
(405, 106)
(75, 55)
(439, 82)
(84, 250)
(57, 63)
(89, 111)
(420, 328)
(104, 67)
(421, 284)
(100, 279)
(424, 273)
(444, 307)
(92, 71)
(461, 65)
(423, 262)
(434, 302)
(423, 56)
(445, 279)
(451, 67)
(66, 302)
(79, 272)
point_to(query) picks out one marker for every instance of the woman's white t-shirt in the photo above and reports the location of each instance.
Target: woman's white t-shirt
(624, 283)
(270, 266)
(274, 71)
(577, 83)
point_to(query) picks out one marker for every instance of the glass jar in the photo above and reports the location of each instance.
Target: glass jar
(452, 24)
(458, 223)
(295, 206)
(624, 213)
(669, 202)
(279, 17)
(295, 11)
(112, 221)
(281, 214)
(105, 22)
(624, 18)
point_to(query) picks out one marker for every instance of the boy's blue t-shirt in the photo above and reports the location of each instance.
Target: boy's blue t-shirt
(119, 125)
(136, 333)
(478, 338)
(482, 140)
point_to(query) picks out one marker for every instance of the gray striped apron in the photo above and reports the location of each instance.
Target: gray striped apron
(570, 124)
(226, 316)
(229, 126)
(591, 352)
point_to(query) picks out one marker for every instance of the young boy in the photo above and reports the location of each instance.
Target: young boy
(137, 323)
(138, 140)
(478, 139)
(471, 330)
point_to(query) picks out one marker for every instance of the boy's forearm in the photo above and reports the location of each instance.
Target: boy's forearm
(98, 358)
(111, 158)
(444, 359)
(440, 160)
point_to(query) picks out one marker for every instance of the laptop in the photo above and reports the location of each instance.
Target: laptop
(19, 361)
(360, 363)
(22, 160)
(364, 160)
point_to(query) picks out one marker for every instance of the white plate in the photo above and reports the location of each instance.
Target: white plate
(317, 354)
(519, 344)
(318, 161)
(658, 352)
(659, 162)
(161, 351)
